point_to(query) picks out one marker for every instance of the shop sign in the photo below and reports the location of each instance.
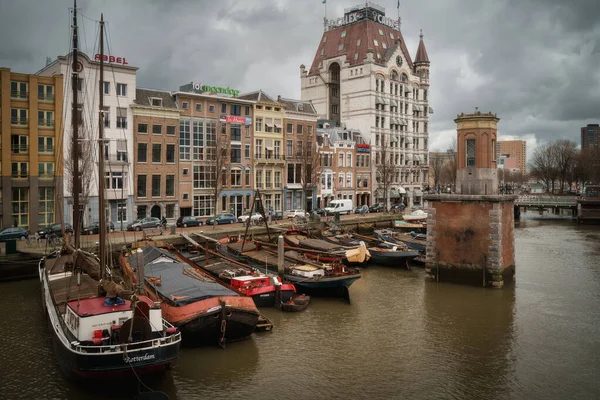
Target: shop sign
(111, 59)
(363, 148)
(234, 119)
(200, 88)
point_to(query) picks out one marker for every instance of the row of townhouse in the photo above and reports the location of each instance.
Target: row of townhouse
(198, 151)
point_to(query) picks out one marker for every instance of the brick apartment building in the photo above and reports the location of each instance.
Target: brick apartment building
(31, 158)
(209, 120)
(156, 157)
(301, 171)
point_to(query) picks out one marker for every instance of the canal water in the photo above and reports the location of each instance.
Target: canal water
(401, 337)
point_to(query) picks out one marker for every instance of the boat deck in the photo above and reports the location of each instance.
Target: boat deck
(66, 289)
(218, 268)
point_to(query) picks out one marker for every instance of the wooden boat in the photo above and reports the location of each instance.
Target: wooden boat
(206, 311)
(391, 255)
(356, 254)
(295, 304)
(415, 241)
(307, 275)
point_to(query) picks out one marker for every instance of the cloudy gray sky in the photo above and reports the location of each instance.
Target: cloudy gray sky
(533, 62)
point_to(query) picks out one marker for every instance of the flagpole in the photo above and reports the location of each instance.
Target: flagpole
(398, 15)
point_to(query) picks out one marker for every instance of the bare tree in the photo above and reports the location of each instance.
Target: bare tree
(218, 163)
(385, 168)
(450, 167)
(565, 152)
(543, 165)
(310, 169)
(437, 164)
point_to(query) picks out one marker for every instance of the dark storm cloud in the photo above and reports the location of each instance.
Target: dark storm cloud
(533, 62)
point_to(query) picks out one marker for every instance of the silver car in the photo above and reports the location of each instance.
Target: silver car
(143, 223)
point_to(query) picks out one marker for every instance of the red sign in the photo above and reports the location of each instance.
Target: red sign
(234, 119)
(363, 146)
(111, 59)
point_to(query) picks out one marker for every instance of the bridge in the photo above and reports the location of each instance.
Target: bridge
(552, 203)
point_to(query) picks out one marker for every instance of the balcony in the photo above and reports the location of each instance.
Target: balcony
(46, 176)
(20, 175)
(46, 98)
(19, 149)
(119, 158)
(18, 95)
(269, 158)
(46, 149)
(19, 121)
(46, 123)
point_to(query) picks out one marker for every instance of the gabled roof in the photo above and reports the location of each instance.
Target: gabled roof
(258, 96)
(301, 106)
(421, 56)
(143, 96)
(367, 31)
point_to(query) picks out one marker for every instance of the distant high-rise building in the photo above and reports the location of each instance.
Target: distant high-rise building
(590, 137)
(516, 149)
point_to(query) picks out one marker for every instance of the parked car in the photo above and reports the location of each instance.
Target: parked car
(94, 230)
(296, 213)
(222, 219)
(55, 229)
(144, 223)
(256, 217)
(189, 221)
(320, 211)
(342, 206)
(275, 215)
(13, 233)
(376, 208)
(361, 209)
(397, 207)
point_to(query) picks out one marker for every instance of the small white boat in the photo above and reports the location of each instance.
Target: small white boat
(417, 215)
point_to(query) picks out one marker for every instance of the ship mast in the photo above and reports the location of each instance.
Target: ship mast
(102, 225)
(75, 139)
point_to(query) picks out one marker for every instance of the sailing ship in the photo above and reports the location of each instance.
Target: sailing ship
(99, 329)
(206, 311)
(326, 251)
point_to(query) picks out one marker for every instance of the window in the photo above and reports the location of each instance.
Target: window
(186, 196)
(340, 160)
(471, 152)
(141, 186)
(299, 151)
(375, 42)
(20, 206)
(236, 109)
(236, 132)
(45, 144)
(223, 108)
(259, 181)
(18, 116)
(236, 153)
(156, 152)
(157, 129)
(258, 125)
(247, 110)
(289, 148)
(299, 129)
(211, 108)
(121, 89)
(203, 205)
(185, 171)
(155, 185)
(341, 46)
(204, 176)
(223, 128)
(198, 106)
(106, 87)
(170, 210)
(310, 129)
(184, 139)
(18, 144)
(170, 185)
(184, 105)
(348, 159)
(142, 128)
(268, 182)
(46, 207)
(236, 177)
(106, 116)
(247, 150)
(156, 102)
(258, 148)
(114, 180)
(277, 149)
(142, 152)
(18, 90)
(277, 127)
(290, 173)
(289, 128)
(358, 43)
(45, 92)
(334, 109)
(170, 129)
(268, 125)
(170, 154)
(349, 179)
(343, 34)
(247, 177)
(277, 179)
(341, 179)
(493, 150)
(122, 118)
(46, 170)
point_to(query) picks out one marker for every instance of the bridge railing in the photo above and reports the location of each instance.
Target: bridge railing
(548, 201)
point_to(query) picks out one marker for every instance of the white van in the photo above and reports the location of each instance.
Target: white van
(341, 206)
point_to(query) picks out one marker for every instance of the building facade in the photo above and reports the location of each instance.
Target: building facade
(269, 161)
(215, 143)
(516, 151)
(301, 155)
(156, 158)
(363, 77)
(345, 162)
(118, 91)
(590, 137)
(31, 137)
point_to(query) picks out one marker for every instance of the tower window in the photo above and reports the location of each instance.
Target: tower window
(343, 34)
(341, 46)
(471, 152)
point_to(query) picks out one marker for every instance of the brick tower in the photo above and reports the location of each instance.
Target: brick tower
(470, 234)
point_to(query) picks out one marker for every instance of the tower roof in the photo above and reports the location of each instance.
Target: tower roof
(421, 56)
(344, 40)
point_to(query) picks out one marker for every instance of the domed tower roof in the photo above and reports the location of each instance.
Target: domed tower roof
(421, 56)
